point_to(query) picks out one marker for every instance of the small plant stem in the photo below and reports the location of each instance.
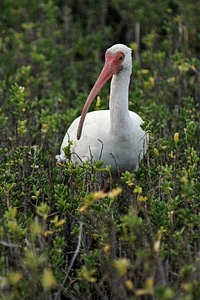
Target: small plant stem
(57, 297)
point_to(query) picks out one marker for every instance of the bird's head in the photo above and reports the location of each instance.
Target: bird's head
(117, 59)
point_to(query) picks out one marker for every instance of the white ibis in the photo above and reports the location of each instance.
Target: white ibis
(114, 135)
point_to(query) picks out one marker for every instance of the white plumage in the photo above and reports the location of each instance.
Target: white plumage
(114, 135)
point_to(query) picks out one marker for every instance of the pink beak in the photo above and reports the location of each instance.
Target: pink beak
(107, 72)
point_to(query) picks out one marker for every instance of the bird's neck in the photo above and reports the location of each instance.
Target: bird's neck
(119, 114)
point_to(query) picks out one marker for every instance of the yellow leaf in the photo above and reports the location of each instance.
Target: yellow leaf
(149, 283)
(137, 190)
(60, 223)
(83, 208)
(169, 188)
(98, 102)
(48, 280)
(129, 284)
(176, 137)
(11, 213)
(184, 67)
(157, 245)
(36, 228)
(152, 80)
(122, 265)
(149, 84)
(12, 225)
(99, 195)
(148, 290)
(155, 150)
(171, 80)
(48, 232)
(141, 292)
(106, 248)
(44, 128)
(87, 274)
(37, 193)
(193, 68)
(171, 155)
(42, 210)
(30, 259)
(57, 222)
(21, 89)
(184, 179)
(188, 287)
(142, 198)
(133, 46)
(164, 148)
(129, 183)
(144, 71)
(157, 242)
(115, 192)
(14, 277)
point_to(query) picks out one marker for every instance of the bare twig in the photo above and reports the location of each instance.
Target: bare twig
(10, 245)
(137, 41)
(72, 261)
(117, 167)
(101, 148)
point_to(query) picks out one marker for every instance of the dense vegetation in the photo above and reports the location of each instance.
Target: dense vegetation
(61, 236)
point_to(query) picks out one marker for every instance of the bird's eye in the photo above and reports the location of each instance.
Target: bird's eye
(121, 56)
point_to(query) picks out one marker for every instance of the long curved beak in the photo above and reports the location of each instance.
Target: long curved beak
(107, 72)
